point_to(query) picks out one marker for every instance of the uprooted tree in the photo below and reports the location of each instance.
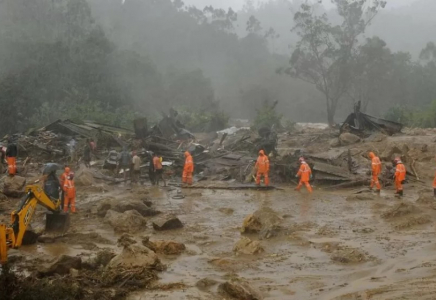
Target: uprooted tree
(326, 53)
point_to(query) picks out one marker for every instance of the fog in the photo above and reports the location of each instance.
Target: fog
(113, 61)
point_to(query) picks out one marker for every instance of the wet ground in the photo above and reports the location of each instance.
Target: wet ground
(332, 246)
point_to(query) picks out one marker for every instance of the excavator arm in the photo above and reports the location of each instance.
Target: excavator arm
(12, 236)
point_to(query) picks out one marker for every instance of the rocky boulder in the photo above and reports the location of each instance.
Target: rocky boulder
(129, 221)
(135, 256)
(124, 205)
(347, 138)
(167, 222)
(247, 246)
(239, 289)
(14, 186)
(264, 221)
(84, 177)
(61, 266)
(164, 247)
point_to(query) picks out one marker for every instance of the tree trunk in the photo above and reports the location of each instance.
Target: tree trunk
(330, 113)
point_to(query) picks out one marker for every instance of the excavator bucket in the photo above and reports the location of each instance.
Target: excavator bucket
(57, 223)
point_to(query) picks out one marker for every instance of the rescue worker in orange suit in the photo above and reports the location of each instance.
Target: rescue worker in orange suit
(262, 167)
(305, 174)
(188, 169)
(70, 193)
(400, 176)
(11, 157)
(62, 180)
(376, 170)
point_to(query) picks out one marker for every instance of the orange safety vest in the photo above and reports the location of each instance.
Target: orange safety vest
(69, 188)
(400, 172)
(262, 164)
(304, 172)
(376, 165)
(189, 164)
(157, 163)
(64, 177)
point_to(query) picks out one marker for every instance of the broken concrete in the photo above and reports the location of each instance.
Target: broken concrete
(167, 222)
(205, 284)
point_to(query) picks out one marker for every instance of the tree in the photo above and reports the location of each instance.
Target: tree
(325, 54)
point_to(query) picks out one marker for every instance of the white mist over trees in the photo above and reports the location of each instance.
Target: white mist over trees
(108, 61)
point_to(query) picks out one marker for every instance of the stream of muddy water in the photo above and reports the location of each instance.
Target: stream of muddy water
(331, 246)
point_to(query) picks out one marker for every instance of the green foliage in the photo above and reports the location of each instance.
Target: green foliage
(203, 121)
(413, 117)
(267, 116)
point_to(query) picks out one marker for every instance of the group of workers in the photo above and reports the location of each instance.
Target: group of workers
(399, 176)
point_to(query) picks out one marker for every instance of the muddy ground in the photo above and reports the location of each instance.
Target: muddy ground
(330, 245)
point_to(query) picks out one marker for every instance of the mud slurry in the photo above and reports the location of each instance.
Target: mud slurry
(328, 247)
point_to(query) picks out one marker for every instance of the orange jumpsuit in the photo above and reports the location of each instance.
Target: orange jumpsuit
(262, 166)
(376, 170)
(188, 169)
(70, 195)
(400, 176)
(304, 173)
(12, 165)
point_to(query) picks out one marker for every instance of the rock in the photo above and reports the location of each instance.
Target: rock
(167, 222)
(239, 289)
(129, 221)
(226, 210)
(84, 177)
(164, 247)
(247, 246)
(125, 205)
(390, 151)
(334, 143)
(347, 138)
(14, 186)
(74, 273)
(264, 221)
(138, 205)
(62, 266)
(376, 137)
(133, 256)
(205, 283)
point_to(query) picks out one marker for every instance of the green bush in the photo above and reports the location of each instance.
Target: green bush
(267, 116)
(203, 121)
(413, 117)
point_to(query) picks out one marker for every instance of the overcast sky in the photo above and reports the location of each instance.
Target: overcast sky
(237, 4)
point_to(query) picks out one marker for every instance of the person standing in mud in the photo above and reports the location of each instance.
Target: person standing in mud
(124, 162)
(305, 174)
(188, 169)
(62, 180)
(400, 176)
(11, 157)
(70, 194)
(151, 173)
(376, 170)
(136, 166)
(158, 169)
(262, 167)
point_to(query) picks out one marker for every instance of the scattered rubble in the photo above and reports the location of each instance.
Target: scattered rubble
(205, 284)
(135, 256)
(124, 205)
(347, 139)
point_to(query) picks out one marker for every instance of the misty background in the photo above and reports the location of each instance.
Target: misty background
(112, 61)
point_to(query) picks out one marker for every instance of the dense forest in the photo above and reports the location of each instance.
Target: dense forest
(112, 61)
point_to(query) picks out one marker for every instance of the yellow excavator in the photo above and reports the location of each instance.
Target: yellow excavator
(16, 234)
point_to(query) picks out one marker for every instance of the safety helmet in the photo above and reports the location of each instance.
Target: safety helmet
(187, 154)
(371, 155)
(261, 152)
(71, 175)
(67, 170)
